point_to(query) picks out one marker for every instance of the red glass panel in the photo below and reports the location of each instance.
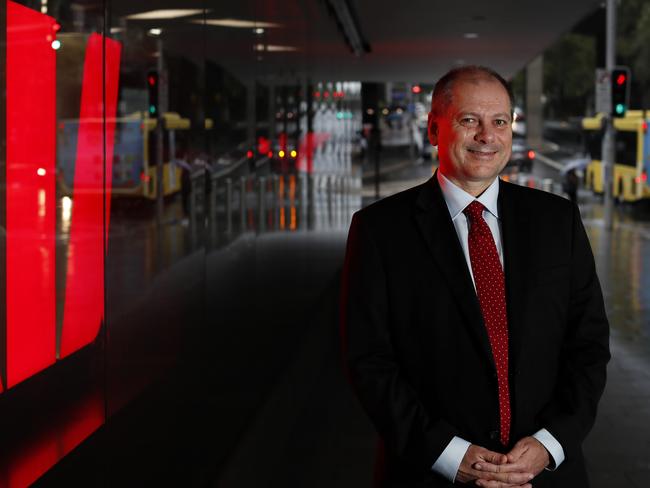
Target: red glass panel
(84, 296)
(31, 204)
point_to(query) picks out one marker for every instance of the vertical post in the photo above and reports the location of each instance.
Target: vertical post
(609, 138)
(213, 210)
(160, 133)
(251, 94)
(262, 204)
(194, 210)
(242, 204)
(308, 157)
(272, 109)
(276, 202)
(534, 112)
(3, 194)
(303, 187)
(409, 114)
(374, 146)
(229, 206)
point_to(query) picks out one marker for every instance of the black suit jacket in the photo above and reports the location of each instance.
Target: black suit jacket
(417, 350)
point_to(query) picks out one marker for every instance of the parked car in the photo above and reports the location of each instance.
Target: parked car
(522, 155)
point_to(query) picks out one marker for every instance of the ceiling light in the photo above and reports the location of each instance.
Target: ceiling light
(470, 35)
(238, 23)
(259, 31)
(155, 32)
(274, 48)
(164, 14)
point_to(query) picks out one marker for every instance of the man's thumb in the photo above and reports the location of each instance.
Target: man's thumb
(495, 457)
(516, 452)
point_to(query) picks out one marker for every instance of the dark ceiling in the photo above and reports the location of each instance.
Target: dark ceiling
(413, 40)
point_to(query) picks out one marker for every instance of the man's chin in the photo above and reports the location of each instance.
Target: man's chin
(483, 172)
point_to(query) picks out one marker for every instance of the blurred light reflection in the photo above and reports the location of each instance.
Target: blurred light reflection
(66, 212)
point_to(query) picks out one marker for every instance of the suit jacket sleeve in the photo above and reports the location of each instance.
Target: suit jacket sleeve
(408, 431)
(585, 352)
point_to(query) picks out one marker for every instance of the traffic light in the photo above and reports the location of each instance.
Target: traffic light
(152, 89)
(620, 81)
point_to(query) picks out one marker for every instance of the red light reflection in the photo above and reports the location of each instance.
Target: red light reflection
(309, 143)
(84, 297)
(30, 460)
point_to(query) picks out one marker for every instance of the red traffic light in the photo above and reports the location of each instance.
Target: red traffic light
(620, 79)
(416, 89)
(152, 80)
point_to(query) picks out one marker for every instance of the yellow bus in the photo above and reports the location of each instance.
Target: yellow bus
(632, 156)
(134, 160)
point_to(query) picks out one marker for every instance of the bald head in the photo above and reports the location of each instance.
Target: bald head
(443, 90)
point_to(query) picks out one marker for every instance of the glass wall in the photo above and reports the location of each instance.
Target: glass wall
(175, 190)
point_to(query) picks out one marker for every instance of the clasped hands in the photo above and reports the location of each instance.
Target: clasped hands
(517, 468)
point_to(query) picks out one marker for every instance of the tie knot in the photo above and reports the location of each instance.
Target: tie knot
(474, 211)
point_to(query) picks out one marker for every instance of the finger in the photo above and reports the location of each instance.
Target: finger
(501, 485)
(498, 484)
(517, 451)
(493, 457)
(500, 468)
(504, 479)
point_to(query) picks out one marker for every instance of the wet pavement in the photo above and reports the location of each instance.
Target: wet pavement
(618, 448)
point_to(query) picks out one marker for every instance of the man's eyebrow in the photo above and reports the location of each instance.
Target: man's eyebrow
(476, 115)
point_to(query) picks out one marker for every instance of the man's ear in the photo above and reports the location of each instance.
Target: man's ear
(432, 130)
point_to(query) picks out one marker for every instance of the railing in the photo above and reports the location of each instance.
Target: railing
(233, 204)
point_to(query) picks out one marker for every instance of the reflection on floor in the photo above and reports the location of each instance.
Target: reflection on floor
(208, 311)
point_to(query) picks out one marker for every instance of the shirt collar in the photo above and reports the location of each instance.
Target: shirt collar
(457, 199)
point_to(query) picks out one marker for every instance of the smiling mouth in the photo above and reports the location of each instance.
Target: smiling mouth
(482, 153)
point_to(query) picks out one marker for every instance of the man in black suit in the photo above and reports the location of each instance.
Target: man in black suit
(473, 321)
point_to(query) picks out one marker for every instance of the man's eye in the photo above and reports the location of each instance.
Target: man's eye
(501, 122)
(468, 120)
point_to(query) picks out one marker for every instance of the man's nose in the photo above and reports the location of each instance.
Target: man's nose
(484, 134)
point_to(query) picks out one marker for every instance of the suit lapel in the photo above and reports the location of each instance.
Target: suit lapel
(516, 248)
(437, 229)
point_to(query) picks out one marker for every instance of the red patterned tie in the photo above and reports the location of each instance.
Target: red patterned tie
(491, 291)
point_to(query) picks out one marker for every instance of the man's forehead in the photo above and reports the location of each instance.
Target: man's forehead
(478, 86)
(480, 90)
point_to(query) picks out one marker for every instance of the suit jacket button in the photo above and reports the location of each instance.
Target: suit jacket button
(494, 435)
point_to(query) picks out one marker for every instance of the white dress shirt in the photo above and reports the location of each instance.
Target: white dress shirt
(457, 199)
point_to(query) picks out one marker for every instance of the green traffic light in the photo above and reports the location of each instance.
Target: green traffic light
(152, 109)
(620, 108)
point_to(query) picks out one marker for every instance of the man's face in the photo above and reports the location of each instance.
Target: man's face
(474, 137)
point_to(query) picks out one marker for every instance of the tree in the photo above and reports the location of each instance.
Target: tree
(633, 47)
(569, 67)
